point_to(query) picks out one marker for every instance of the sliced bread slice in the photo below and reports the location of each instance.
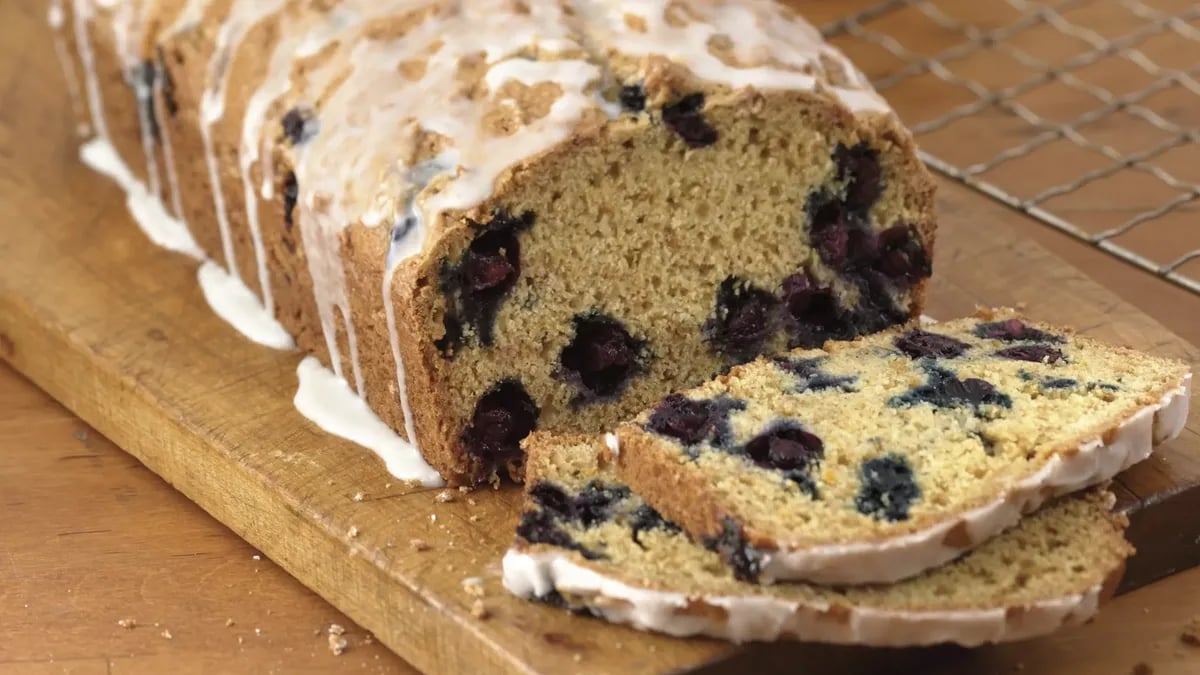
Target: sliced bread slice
(871, 461)
(588, 543)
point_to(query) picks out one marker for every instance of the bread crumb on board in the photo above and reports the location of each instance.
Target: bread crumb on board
(127, 624)
(1191, 632)
(337, 644)
(167, 634)
(358, 496)
(444, 496)
(473, 586)
(336, 629)
(479, 610)
(418, 545)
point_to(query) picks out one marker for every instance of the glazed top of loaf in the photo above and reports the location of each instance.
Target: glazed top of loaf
(415, 108)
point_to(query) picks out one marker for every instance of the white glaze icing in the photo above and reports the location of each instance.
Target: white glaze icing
(234, 302)
(752, 617)
(326, 400)
(901, 557)
(147, 210)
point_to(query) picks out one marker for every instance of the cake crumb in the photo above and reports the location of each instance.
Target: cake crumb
(228, 622)
(127, 624)
(1191, 632)
(336, 629)
(418, 545)
(471, 501)
(368, 638)
(1142, 668)
(473, 586)
(444, 496)
(358, 496)
(433, 517)
(474, 518)
(577, 657)
(256, 556)
(337, 644)
(167, 634)
(478, 610)
(387, 486)
(464, 489)
(352, 532)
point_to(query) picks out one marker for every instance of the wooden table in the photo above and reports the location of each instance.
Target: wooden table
(89, 539)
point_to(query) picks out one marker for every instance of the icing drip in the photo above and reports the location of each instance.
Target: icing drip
(57, 19)
(145, 207)
(324, 398)
(234, 302)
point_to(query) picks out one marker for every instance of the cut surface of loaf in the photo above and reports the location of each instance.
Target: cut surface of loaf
(546, 226)
(587, 542)
(873, 460)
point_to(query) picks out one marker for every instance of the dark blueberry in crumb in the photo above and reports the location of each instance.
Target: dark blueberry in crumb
(811, 315)
(298, 126)
(1031, 353)
(503, 416)
(551, 498)
(690, 421)
(745, 560)
(542, 527)
(147, 72)
(944, 390)
(829, 230)
(803, 481)
(476, 287)
(786, 448)
(449, 344)
(888, 488)
(811, 377)
(859, 167)
(683, 419)
(902, 256)
(291, 192)
(595, 503)
(686, 119)
(1060, 383)
(745, 319)
(1013, 330)
(644, 519)
(920, 344)
(1103, 386)
(633, 98)
(168, 86)
(601, 358)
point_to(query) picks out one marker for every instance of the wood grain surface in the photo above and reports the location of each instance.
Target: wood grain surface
(119, 333)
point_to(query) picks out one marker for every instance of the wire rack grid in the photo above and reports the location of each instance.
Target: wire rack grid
(1100, 96)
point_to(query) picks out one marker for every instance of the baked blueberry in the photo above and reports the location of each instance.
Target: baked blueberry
(168, 85)
(829, 228)
(811, 314)
(601, 358)
(476, 287)
(543, 527)
(787, 447)
(1059, 383)
(887, 489)
(921, 344)
(810, 375)
(595, 503)
(1012, 330)
(291, 192)
(1038, 353)
(633, 98)
(645, 518)
(686, 118)
(858, 166)
(299, 125)
(743, 559)
(901, 256)
(502, 418)
(691, 421)
(744, 320)
(944, 390)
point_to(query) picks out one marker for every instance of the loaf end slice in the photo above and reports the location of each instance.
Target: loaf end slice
(588, 543)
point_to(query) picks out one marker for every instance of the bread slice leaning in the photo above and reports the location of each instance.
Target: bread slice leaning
(873, 460)
(587, 543)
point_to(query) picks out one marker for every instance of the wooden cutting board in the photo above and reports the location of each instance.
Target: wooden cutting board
(119, 332)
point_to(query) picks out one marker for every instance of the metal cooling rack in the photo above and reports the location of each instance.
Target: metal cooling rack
(1137, 203)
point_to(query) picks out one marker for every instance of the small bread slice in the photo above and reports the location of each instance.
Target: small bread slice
(588, 543)
(874, 460)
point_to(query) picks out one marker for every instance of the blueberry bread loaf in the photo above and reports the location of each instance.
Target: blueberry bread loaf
(877, 459)
(588, 543)
(549, 225)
